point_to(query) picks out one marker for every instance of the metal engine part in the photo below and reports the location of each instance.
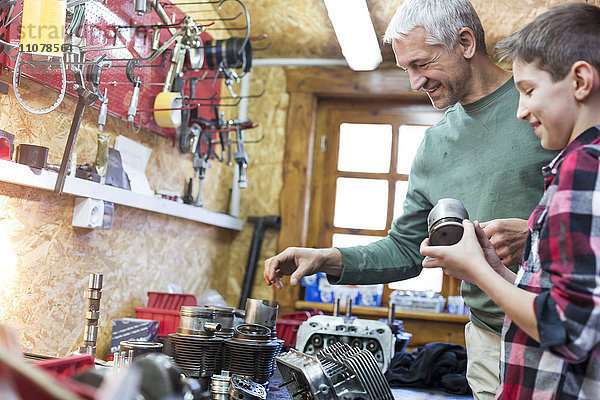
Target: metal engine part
(219, 386)
(320, 332)
(444, 222)
(262, 312)
(225, 317)
(92, 314)
(196, 349)
(251, 352)
(338, 372)
(244, 389)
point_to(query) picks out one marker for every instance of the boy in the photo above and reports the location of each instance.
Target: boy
(551, 334)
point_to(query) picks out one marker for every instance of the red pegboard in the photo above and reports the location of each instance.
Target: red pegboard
(101, 19)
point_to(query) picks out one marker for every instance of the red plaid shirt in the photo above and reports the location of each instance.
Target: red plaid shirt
(561, 263)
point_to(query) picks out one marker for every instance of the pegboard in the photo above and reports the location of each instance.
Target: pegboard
(100, 29)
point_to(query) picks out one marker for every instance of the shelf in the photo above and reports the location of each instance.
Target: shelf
(42, 179)
(382, 312)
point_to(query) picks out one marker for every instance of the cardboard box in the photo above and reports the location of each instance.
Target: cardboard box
(318, 289)
(132, 329)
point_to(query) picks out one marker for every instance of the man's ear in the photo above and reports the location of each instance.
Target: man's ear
(585, 79)
(467, 42)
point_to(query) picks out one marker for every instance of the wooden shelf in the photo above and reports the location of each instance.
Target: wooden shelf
(381, 312)
(42, 179)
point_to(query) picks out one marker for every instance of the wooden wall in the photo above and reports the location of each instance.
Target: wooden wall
(45, 262)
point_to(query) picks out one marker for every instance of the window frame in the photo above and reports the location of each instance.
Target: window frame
(331, 114)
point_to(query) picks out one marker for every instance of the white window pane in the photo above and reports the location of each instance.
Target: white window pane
(360, 203)
(344, 240)
(409, 139)
(429, 279)
(365, 148)
(399, 197)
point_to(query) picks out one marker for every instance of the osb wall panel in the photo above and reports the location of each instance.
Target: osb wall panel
(301, 29)
(46, 262)
(264, 176)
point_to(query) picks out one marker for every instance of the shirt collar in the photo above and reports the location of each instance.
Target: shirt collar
(587, 137)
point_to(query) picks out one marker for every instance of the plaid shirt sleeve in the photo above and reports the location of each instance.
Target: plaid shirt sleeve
(569, 250)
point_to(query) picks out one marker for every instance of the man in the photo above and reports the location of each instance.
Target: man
(550, 340)
(480, 153)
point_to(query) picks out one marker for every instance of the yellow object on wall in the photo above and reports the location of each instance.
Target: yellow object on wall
(43, 26)
(166, 102)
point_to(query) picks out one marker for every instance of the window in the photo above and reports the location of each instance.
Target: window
(366, 158)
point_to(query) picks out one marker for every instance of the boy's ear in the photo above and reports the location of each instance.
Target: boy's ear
(585, 79)
(467, 42)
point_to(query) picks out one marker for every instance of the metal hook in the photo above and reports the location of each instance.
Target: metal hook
(159, 26)
(263, 48)
(212, 19)
(251, 96)
(243, 46)
(165, 4)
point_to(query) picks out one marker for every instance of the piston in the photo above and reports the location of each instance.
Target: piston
(196, 320)
(262, 312)
(224, 316)
(140, 348)
(444, 222)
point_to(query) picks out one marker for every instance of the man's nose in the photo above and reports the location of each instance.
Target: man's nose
(417, 81)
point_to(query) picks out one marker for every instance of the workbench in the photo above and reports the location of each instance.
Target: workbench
(276, 393)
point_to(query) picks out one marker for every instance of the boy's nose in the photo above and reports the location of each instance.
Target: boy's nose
(522, 111)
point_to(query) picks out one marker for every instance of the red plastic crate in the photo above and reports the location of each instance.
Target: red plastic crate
(64, 368)
(67, 366)
(165, 308)
(170, 301)
(287, 326)
(168, 320)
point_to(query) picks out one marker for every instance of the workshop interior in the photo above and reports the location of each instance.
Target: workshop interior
(153, 154)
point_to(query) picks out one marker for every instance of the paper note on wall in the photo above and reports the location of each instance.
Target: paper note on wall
(135, 159)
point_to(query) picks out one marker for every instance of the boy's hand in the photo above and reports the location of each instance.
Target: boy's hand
(464, 260)
(508, 237)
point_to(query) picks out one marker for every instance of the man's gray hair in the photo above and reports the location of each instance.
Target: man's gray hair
(442, 20)
(556, 39)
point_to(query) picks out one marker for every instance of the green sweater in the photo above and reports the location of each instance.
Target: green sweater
(480, 154)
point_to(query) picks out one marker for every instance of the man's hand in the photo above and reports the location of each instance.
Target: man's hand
(508, 237)
(299, 262)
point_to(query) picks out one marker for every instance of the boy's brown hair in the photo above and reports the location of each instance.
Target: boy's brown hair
(556, 39)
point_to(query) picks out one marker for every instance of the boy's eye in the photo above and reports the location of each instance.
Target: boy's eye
(528, 92)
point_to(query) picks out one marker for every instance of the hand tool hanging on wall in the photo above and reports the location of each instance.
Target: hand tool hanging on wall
(85, 98)
(136, 81)
(168, 103)
(187, 138)
(103, 138)
(261, 224)
(201, 164)
(240, 156)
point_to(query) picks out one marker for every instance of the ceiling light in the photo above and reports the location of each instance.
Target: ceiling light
(354, 30)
